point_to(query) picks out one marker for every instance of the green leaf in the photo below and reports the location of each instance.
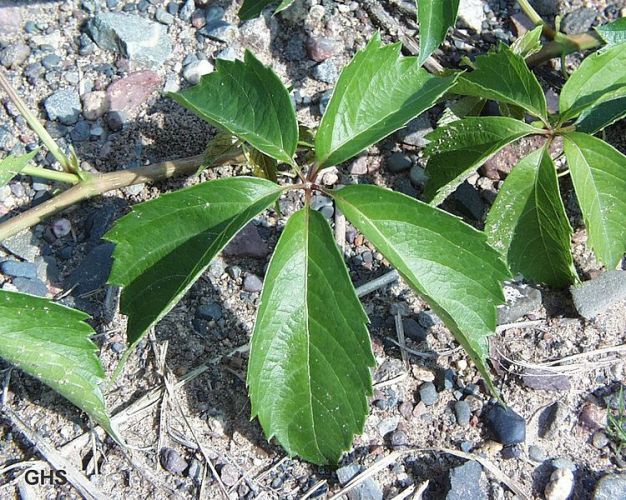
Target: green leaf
(377, 94)
(223, 145)
(613, 33)
(504, 76)
(464, 145)
(52, 343)
(598, 172)
(13, 165)
(528, 224)
(248, 100)
(529, 43)
(253, 8)
(594, 119)
(262, 165)
(600, 74)
(447, 262)
(434, 17)
(164, 245)
(308, 373)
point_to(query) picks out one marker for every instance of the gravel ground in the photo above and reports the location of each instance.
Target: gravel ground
(111, 108)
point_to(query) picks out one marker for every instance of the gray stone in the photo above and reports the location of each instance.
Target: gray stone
(116, 120)
(18, 269)
(508, 427)
(64, 105)
(172, 461)
(428, 393)
(51, 61)
(546, 7)
(228, 54)
(163, 16)
(563, 463)
(326, 72)
(578, 21)
(367, 490)
(414, 134)
(196, 70)
(428, 319)
(388, 425)
(520, 300)
(472, 14)
(22, 245)
(247, 243)
(324, 100)
(93, 272)
(229, 475)
(536, 453)
(544, 380)
(220, 31)
(465, 482)
(598, 294)
(31, 286)
(13, 56)
(413, 330)
(95, 104)
(252, 283)
(81, 132)
(599, 440)
(398, 162)
(134, 37)
(418, 176)
(462, 413)
(7, 139)
(610, 487)
(469, 202)
(211, 311)
(398, 439)
(187, 10)
(195, 471)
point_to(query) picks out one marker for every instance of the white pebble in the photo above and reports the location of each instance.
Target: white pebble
(560, 485)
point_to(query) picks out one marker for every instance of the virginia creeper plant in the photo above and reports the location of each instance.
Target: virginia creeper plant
(310, 358)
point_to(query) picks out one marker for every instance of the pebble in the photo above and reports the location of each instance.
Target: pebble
(413, 330)
(546, 7)
(418, 176)
(610, 487)
(22, 245)
(428, 393)
(465, 482)
(116, 120)
(326, 72)
(220, 31)
(543, 380)
(469, 202)
(510, 452)
(187, 10)
(536, 453)
(321, 48)
(134, 37)
(324, 100)
(367, 490)
(128, 93)
(388, 425)
(13, 56)
(93, 272)
(398, 162)
(172, 461)
(462, 413)
(398, 439)
(563, 463)
(61, 228)
(248, 243)
(196, 70)
(51, 61)
(599, 440)
(600, 293)
(94, 104)
(64, 105)
(18, 269)
(252, 283)
(578, 21)
(560, 485)
(229, 475)
(32, 286)
(211, 311)
(520, 301)
(7, 139)
(228, 54)
(163, 16)
(81, 132)
(414, 134)
(195, 471)
(508, 427)
(472, 14)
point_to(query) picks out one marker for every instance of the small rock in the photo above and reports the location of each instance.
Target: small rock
(359, 166)
(465, 482)
(324, 100)
(367, 490)
(252, 283)
(22, 245)
(428, 319)
(428, 393)
(229, 475)
(61, 228)
(398, 162)
(578, 21)
(598, 294)
(81, 132)
(11, 18)
(13, 56)
(544, 380)
(520, 301)
(228, 54)
(18, 269)
(51, 61)
(116, 120)
(211, 311)
(31, 286)
(172, 461)
(398, 439)
(418, 176)
(321, 48)
(536, 453)
(510, 452)
(95, 104)
(546, 7)
(563, 463)
(195, 471)
(117, 347)
(196, 70)
(234, 272)
(220, 31)
(462, 413)
(469, 201)
(93, 272)
(508, 427)
(610, 487)
(326, 72)
(413, 330)
(187, 10)
(248, 243)
(127, 94)
(560, 485)
(64, 105)
(472, 14)
(415, 132)
(388, 425)
(164, 17)
(134, 37)
(599, 440)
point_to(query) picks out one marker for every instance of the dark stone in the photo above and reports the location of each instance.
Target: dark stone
(465, 482)
(510, 452)
(508, 427)
(462, 413)
(247, 243)
(81, 132)
(428, 393)
(99, 221)
(398, 162)
(116, 120)
(578, 21)
(520, 301)
(93, 272)
(211, 311)
(31, 286)
(172, 461)
(398, 439)
(18, 269)
(367, 490)
(469, 202)
(413, 330)
(543, 380)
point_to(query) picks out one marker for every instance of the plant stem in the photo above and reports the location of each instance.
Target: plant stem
(568, 45)
(98, 184)
(53, 175)
(534, 16)
(34, 123)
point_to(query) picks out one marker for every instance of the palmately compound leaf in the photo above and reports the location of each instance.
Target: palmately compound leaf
(448, 263)
(164, 245)
(600, 76)
(377, 94)
(528, 224)
(464, 145)
(613, 33)
(52, 343)
(435, 17)
(598, 172)
(253, 8)
(308, 373)
(248, 100)
(13, 165)
(529, 43)
(504, 76)
(594, 119)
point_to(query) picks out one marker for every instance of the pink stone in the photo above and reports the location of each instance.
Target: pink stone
(132, 91)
